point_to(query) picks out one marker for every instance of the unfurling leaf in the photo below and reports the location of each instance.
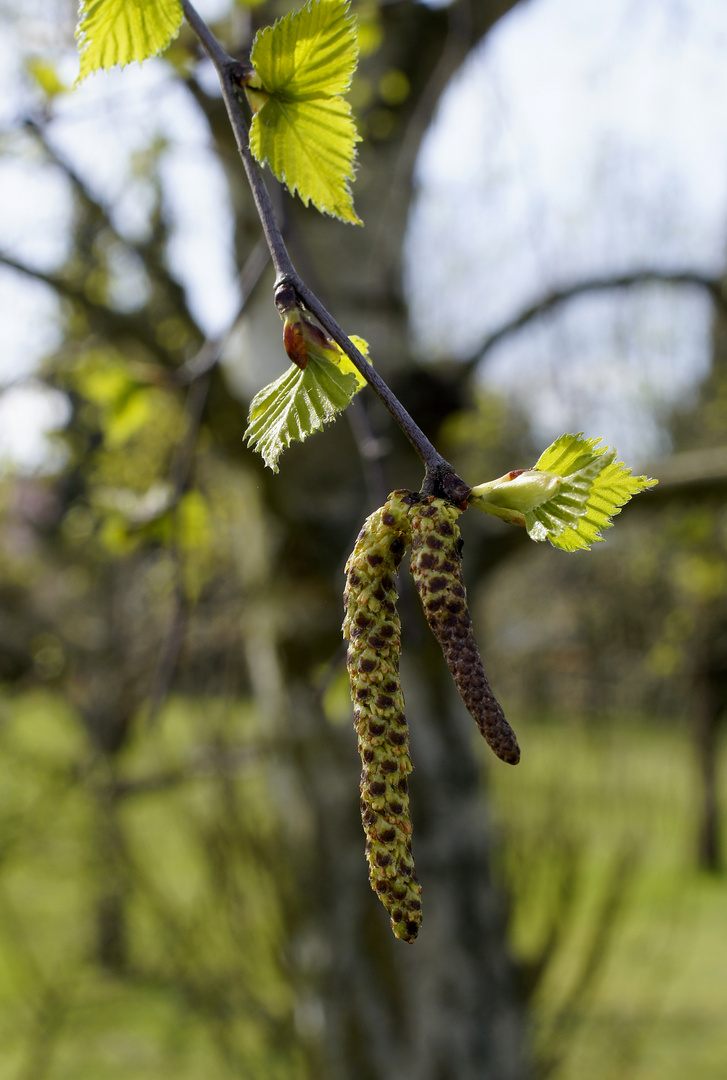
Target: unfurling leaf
(302, 126)
(306, 396)
(570, 495)
(113, 32)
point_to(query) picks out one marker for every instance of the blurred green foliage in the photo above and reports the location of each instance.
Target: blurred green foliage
(203, 990)
(184, 838)
(597, 845)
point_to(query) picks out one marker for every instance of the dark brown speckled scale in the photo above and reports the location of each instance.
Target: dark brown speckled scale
(436, 569)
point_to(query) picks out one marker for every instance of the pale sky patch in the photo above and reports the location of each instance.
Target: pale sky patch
(579, 140)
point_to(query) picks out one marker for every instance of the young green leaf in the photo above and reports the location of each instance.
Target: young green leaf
(302, 400)
(302, 125)
(311, 53)
(113, 32)
(569, 496)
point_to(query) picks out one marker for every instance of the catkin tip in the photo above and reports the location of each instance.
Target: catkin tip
(509, 754)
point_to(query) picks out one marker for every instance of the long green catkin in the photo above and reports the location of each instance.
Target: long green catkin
(373, 631)
(436, 567)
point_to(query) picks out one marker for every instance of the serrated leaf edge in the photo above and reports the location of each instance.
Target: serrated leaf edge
(84, 42)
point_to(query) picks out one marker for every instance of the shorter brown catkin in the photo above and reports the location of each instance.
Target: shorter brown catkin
(436, 567)
(373, 631)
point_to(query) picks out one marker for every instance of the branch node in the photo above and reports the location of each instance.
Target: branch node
(240, 73)
(442, 481)
(286, 296)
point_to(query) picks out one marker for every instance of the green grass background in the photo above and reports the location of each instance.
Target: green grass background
(593, 812)
(623, 796)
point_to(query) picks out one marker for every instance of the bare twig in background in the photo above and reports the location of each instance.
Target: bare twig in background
(116, 325)
(196, 373)
(605, 924)
(558, 297)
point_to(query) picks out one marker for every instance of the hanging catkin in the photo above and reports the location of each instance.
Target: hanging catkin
(373, 630)
(437, 571)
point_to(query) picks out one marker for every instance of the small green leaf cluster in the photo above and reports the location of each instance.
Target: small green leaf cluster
(303, 65)
(303, 127)
(571, 494)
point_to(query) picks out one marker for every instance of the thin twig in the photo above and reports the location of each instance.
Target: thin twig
(433, 461)
(171, 650)
(371, 451)
(440, 477)
(231, 74)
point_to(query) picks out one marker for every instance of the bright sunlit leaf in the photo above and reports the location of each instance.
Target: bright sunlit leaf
(309, 146)
(119, 31)
(571, 494)
(302, 125)
(301, 401)
(310, 53)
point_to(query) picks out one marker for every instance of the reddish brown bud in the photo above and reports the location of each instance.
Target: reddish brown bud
(295, 344)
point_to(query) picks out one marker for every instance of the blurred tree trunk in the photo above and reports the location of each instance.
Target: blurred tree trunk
(709, 708)
(710, 701)
(447, 1007)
